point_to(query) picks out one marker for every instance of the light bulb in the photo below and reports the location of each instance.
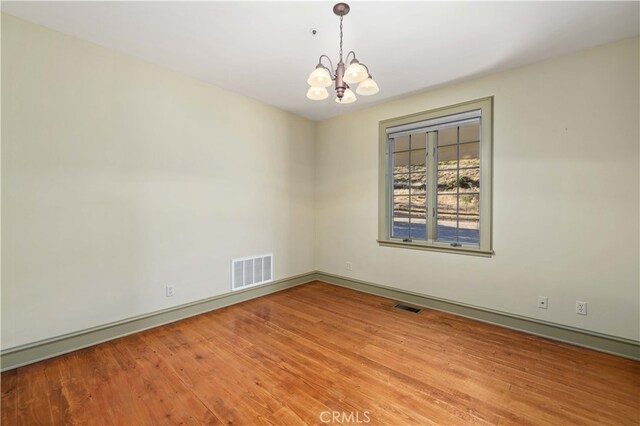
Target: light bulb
(355, 73)
(320, 77)
(316, 93)
(367, 87)
(348, 98)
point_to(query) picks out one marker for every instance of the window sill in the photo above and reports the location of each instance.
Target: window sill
(433, 247)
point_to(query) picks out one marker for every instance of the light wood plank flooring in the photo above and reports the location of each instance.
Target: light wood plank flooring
(318, 353)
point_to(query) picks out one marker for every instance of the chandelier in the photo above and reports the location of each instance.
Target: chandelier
(321, 77)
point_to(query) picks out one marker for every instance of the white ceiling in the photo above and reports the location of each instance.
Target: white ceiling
(265, 50)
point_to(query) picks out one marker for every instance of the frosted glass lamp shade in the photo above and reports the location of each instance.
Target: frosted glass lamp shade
(320, 77)
(355, 73)
(348, 98)
(317, 93)
(367, 87)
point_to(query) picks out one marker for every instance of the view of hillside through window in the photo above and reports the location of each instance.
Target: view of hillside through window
(450, 193)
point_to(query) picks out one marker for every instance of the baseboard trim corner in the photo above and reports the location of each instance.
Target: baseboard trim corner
(600, 342)
(48, 348)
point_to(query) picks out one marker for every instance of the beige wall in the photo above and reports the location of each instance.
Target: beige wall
(119, 177)
(566, 195)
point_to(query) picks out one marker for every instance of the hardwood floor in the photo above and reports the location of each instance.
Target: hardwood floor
(320, 353)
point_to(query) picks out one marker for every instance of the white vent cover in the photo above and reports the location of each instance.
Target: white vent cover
(250, 271)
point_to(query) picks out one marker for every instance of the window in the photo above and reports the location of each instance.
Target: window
(435, 179)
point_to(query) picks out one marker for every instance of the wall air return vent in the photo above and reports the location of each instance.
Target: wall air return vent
(251, 271)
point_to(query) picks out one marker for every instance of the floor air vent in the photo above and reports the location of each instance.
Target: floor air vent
(250, 271)
(407, 308)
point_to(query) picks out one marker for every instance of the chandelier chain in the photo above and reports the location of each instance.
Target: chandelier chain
(341, 38)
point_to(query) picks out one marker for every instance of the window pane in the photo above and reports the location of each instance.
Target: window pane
(418, 228)
(448, 136)
(418, 217)
(464, 227)
(409, 217)
(469, 236)
(469, 205)
(418, 183)
(419, 160)
(400, 228)
(400, 217)
(469, 180)
(419, 141)
(418, 206)
(401, 213)
(401, 184)
(448, 157)
(401, 206)
(469, 224)
(470, 133)
(447, 231)
(447, 218)
(401, 143)
(401, 162)
(447, 205)
(470, 155)
(470, 151)
(447, 181)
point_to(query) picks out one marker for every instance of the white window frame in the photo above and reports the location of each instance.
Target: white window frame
(419, 123)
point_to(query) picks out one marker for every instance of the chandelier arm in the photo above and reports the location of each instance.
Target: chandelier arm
(347, 58)
(367, 68)
(331, 70)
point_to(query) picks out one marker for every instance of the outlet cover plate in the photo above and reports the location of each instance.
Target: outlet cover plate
(581, 308)
(170, 290)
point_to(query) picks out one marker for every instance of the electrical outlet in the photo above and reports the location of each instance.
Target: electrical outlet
(581, 308)
(348, 266)
(170, 290)
(543, 302)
